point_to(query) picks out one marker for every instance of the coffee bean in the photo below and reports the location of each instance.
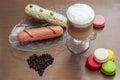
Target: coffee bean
(40, 63)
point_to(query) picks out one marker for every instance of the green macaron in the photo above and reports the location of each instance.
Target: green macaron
(108, 68)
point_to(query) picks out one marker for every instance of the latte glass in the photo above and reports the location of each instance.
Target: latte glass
(80, 27)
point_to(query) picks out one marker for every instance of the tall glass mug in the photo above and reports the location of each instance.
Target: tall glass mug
(80, 27)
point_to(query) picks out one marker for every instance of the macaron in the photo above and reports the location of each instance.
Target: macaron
(91, 63)
(108, 68)
(111, 55)
(101, 55)
(99, 21)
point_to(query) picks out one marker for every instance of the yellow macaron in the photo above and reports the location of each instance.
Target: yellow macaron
(111, 54)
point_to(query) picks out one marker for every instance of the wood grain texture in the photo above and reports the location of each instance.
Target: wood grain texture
(66, 65)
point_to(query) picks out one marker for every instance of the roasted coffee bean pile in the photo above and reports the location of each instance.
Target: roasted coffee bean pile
(40, 63)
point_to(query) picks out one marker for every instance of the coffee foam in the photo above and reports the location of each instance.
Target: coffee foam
(80, 14)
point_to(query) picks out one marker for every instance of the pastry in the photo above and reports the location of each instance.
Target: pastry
(99, 21)
(40, 13)
(91, 63)
(40, 33)
(101, 55)
(111, 55)
(108, 68)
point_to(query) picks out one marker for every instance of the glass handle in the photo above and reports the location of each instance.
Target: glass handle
(92, 36)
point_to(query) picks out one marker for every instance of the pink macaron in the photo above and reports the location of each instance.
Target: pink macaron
(99, 21)
(91, 63)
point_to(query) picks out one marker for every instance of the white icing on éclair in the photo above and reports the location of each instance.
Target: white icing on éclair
(80, 14)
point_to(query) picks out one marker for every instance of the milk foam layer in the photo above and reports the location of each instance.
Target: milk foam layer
(80, 14)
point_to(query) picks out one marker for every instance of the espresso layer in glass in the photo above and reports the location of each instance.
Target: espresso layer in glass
(78, 31)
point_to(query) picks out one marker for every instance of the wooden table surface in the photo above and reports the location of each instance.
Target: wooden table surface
(66, 66)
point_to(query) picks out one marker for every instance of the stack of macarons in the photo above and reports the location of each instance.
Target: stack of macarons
(102, 59)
